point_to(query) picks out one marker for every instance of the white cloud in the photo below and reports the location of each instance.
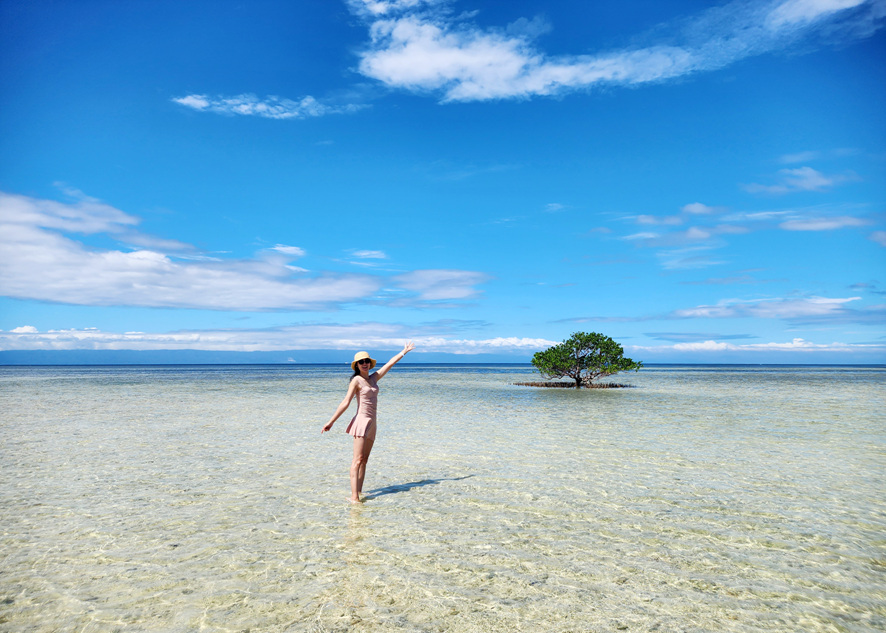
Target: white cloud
(707, 346)
(643, 235)
(879, 237)
(151, 242)
(300, 337)
(197, 102)
(688, 247)
(40, 261)
(82, 215)
(57, 269)
(689, 258)
(779, 308)
(814, 218)
(757, 216)
(803, 12)
(370, 335)
(421, 54)
(381, 7)
(692, 236)
(683, 243)
(697, 208)
(822, 223)
(693, 209)
(269, 107)
(800, 179)
(806, 179)
(370, 255)
(292, 251)
(697, 233)
(498, 344)
(420, 46)
(814, 155)
(436, 285)
(798, 345)
(800, 157)
(662, 220)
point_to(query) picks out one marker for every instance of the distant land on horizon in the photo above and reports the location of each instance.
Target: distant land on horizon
(329, 357)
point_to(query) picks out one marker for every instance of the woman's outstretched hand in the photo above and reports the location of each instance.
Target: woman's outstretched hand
(327, 427)
(408, 348)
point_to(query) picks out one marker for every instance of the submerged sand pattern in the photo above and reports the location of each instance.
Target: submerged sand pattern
(204, 498)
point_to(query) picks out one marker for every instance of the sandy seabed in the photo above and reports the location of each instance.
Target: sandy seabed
(205, 499)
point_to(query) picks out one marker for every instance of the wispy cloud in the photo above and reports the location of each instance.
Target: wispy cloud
(290, 251)
(369, 255)
(822, 223)
(439, 285)
(801, 179)
(81, 214)
(800, 157)
(367, 258)
(689, 258)
(383, 7)
(697, 208)
(693, 212)
(371, 335)
(804, 310)
(684, 240)
(421, 46)
(823, 217)
(42, 259)
(642, 236)
(797, 346)
(768, 308)
(268, 107)
(693, 235)
(695, 337)
(795, 12)
(815, 155)
(728, 281)
(868, 287)
(797, 311)
(660, 220)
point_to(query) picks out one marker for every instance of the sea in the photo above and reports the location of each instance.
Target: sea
(204, 498)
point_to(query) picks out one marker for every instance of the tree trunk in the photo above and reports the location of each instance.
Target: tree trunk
(578, 382)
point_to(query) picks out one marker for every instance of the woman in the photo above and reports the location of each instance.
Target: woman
(365, 386)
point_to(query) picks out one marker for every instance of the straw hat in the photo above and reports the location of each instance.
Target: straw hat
(361, 356)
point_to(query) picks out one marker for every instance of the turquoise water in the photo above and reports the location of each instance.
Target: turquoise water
(205, 499)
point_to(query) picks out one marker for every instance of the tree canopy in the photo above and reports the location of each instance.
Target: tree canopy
(584, 357)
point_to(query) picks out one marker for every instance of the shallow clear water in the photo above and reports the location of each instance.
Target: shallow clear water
(205, 498)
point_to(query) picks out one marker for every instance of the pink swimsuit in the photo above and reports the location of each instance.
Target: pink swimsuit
(363, 424)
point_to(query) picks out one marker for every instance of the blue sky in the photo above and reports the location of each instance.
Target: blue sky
(702, 181)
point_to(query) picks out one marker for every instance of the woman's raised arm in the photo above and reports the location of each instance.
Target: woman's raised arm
(396, 359)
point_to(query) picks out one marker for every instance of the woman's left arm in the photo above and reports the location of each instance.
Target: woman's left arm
(396, 359)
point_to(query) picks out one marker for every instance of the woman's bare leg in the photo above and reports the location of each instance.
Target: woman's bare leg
(362, 448)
